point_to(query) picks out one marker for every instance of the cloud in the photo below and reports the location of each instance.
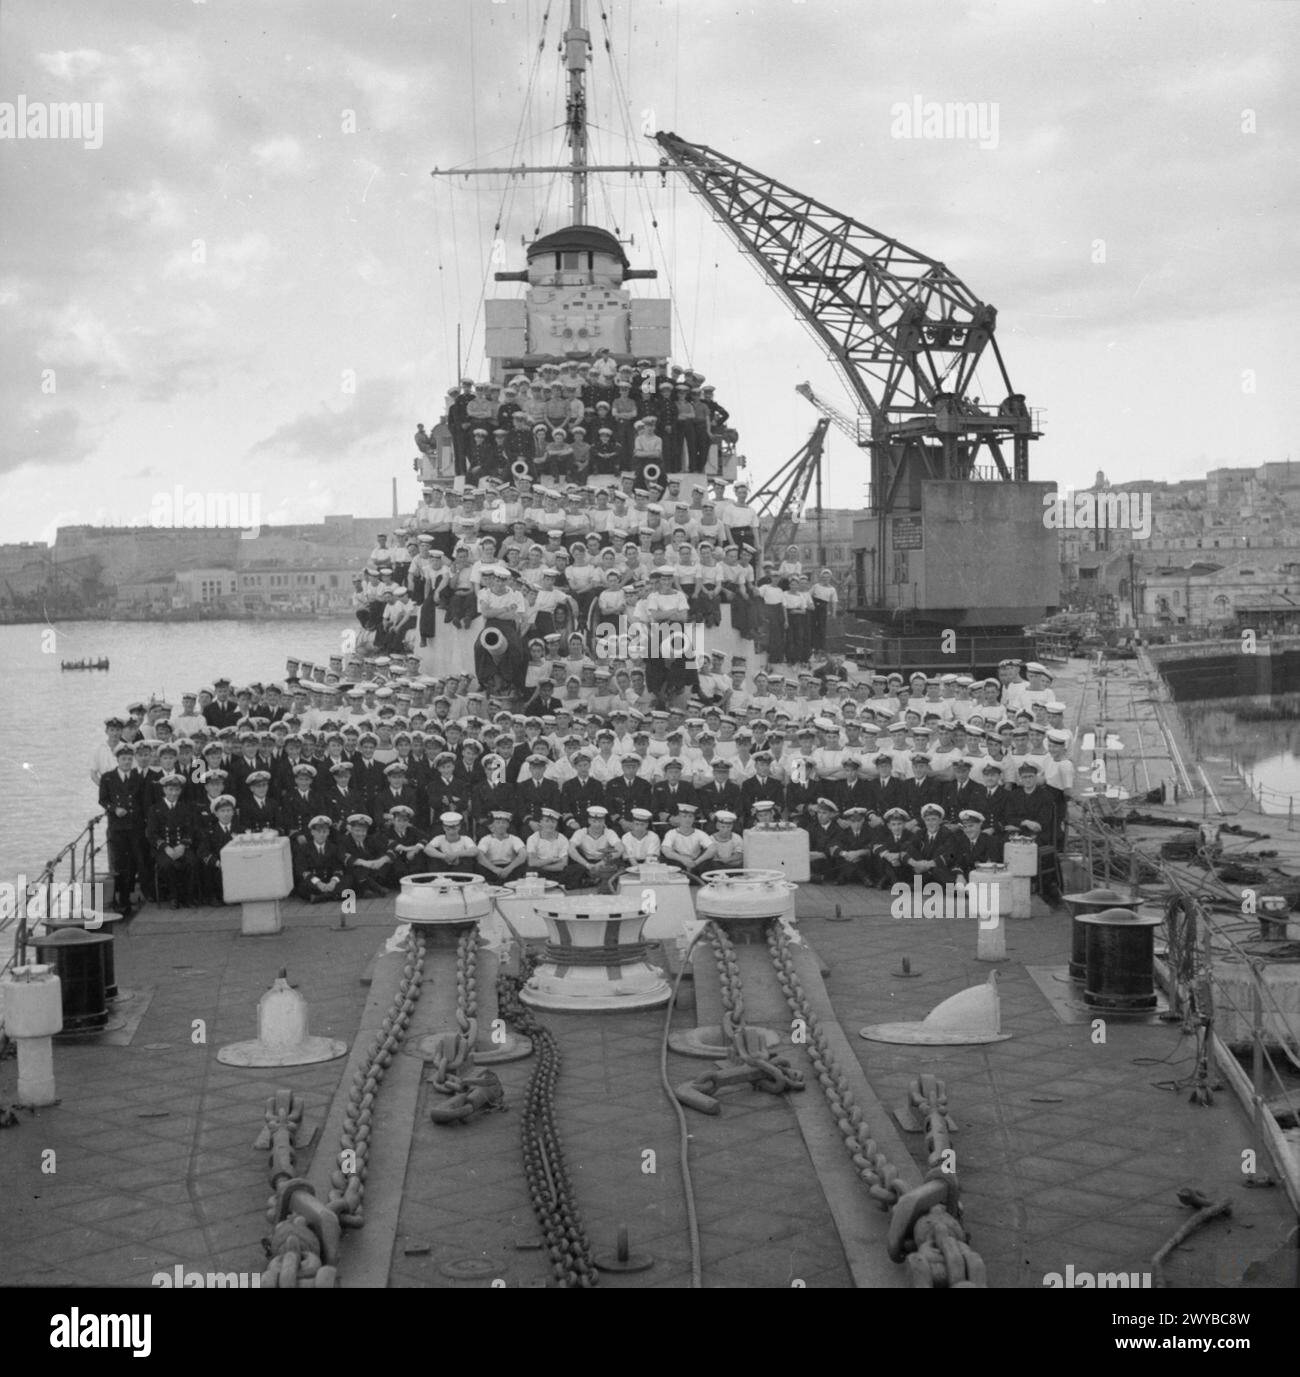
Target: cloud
(39, 435)
(230, 264)
(72, 66)
(156, 206)
(330, 433)
(282, 156)
(387, 91)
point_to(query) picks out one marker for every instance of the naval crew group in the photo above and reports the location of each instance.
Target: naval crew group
(583, 496)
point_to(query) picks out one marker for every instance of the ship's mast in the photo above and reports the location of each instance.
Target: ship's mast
(577, 51)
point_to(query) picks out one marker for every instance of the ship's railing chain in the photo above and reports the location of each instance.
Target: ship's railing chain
(347, 1187)
(303, 1249)
(545, 1170)
(469, 1092)
(924, 1228)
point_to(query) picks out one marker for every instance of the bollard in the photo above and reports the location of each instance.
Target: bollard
(991, 944)
(282, 1037)
(33, 1013)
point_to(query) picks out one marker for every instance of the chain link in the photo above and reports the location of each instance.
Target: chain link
(304, 1244)
(879, 1173)
(925, 1230)
(545, 1170)
(348, 1188)
(470, 1092)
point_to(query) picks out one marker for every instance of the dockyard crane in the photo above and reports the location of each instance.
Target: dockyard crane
(856, 430)
(903, 331)
(781, 499)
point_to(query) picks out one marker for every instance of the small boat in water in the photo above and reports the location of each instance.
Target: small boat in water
(101, 663)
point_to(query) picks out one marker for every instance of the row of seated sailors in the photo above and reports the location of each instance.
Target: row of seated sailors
(614, 513)
(684, 416)
(573, 567)
(858, 711)
(721, 693)
(578, 453)
(340, 787)
(354, 855)
(821, 751)
(721, 689)
(351, 853)
(544, 390)
(551, 604)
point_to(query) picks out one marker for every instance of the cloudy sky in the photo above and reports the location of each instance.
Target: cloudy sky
(254, 285)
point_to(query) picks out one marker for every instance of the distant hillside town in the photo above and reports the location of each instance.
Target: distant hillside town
(187, 572)
(1221, 553)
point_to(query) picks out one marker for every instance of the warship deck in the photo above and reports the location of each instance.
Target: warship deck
(1070, 1151)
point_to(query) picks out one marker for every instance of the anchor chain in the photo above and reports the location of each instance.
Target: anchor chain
(749, 1060)
(549, 1188)
(303, 1249)
(925, 1229)
(348, 1188)
(470, 1092)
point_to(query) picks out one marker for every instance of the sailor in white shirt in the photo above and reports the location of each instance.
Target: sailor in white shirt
(640, 844)
(595, 848)
(684, 845)
(1058, 772)
(1013, 687)
(1055, 722)
(828, 756)
(1040, 685)
(898, 750)
(548, 852)
(665, 603)
(190, 719)
(501, 854)
(739, 517)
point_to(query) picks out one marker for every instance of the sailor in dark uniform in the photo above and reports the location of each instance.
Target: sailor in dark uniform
(762, 785)
(923, 788)
(997, 799)
(495, 794)
(854, 858)
(931, 852)
(367, 772)
(1033, 803)
(963, 792)
(171, 837)
(214, 837)
(448, 791)
(396, 790)
(886, 791)
(719, 794)
(537, 792)
(581, 792)
(299, 805)
(824, 833)
(973, 844)
(627, 791)
(120, 798)
(259, 812)
(890, 848)
(340, 797)
(365, 858)
(318, 865)
(404, 843)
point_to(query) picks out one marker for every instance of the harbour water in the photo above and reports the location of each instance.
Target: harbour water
(1236, 736)
(51, 719)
